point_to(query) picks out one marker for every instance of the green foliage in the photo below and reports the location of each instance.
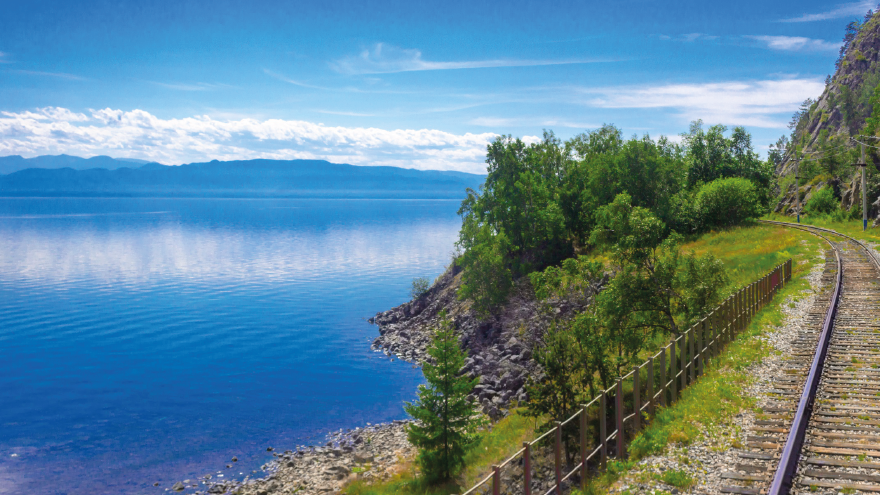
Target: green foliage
(541, 202)
(677, 478)
(822, 202)
(487, 278)
(657, 291)
(446, 427)
(727, 202)
(420, 286)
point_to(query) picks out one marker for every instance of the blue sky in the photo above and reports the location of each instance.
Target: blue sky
(412, 84)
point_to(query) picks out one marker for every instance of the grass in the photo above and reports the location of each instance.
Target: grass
(852, 228)
(677, 478)
(748, 252)
(497, 443)
(719, 395)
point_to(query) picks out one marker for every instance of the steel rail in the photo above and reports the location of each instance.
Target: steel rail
(788, 462)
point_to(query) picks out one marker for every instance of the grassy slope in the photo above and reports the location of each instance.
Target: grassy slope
(747, 253)
(851, 228)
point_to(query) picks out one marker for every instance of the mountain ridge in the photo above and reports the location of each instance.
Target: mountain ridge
(240, 178)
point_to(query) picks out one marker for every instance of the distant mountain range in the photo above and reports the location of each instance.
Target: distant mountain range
(14, 163)
(104, 176)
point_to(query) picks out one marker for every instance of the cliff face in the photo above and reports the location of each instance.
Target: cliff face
(843, 107)
(841, 110)
(499, 347)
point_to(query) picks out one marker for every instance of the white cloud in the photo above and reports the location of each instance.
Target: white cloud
(754, 103)
(842, 11)
(139, 134)
(386, 59)
(795, 43)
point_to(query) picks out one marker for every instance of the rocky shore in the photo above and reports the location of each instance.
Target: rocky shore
(499, 347)
(375, 452)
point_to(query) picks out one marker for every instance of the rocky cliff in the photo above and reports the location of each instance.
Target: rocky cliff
(499, 347)
(840, 111)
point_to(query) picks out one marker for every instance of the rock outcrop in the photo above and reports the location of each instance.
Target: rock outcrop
(499, 347)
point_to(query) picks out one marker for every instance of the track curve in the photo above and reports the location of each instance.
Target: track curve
(837, 417)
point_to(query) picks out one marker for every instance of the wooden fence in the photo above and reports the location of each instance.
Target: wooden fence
(621, 407)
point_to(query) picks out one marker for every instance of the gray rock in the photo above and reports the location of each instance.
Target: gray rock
(178, 487)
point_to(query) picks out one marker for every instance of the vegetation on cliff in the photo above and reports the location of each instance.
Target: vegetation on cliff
(541, 203)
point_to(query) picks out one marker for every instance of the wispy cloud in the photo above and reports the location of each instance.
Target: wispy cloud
(347, 114)
(139, 134)
(387, 59)
(842, 11)
(795, 43)
(689, 37)
(766, 103)
(192, 86)
(288, 80)
(60, 75)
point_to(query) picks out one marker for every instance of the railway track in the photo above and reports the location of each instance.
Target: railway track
(819, 426)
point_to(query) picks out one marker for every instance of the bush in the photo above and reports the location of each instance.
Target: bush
(420, 285)
(677, 478)
(822, 202)
(726, 202)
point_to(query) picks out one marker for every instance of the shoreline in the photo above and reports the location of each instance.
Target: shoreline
(370, 452)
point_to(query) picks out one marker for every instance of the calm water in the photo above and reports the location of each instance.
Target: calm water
(146, 340)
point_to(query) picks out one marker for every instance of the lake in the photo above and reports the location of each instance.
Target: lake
(150, 340)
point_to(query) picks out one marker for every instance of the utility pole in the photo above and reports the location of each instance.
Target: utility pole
(864, 165)
(797, 186)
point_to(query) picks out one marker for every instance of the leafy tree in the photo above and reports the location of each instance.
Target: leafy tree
(777, 151)
(727, 202)
(852, 29)
(650, 293)
(447, 420)
(420, 285)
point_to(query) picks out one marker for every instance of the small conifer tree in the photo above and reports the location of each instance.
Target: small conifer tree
(447, 420)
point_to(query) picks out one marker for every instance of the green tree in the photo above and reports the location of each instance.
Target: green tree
(446, 420)
(420, 286)
(727, 202)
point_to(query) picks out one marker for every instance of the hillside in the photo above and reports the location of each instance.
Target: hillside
(823, 129)
(250, 178)
(14, 163)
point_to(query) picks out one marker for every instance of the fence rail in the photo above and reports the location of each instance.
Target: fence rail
(687, 355)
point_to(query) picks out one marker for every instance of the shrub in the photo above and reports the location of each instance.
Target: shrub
(726, 202)
(420, 285)
(822, 202)
(677, 478)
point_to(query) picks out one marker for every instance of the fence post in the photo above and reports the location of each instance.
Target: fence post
(583, 447)
(603, 430)
(663, 377)
(651, 390)
(621, 448)
(496, 481)
(558, 458)
(682, 348)
(527, 468)
(693, 359)
(637, 400)
(673, 376)
(701, 351)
